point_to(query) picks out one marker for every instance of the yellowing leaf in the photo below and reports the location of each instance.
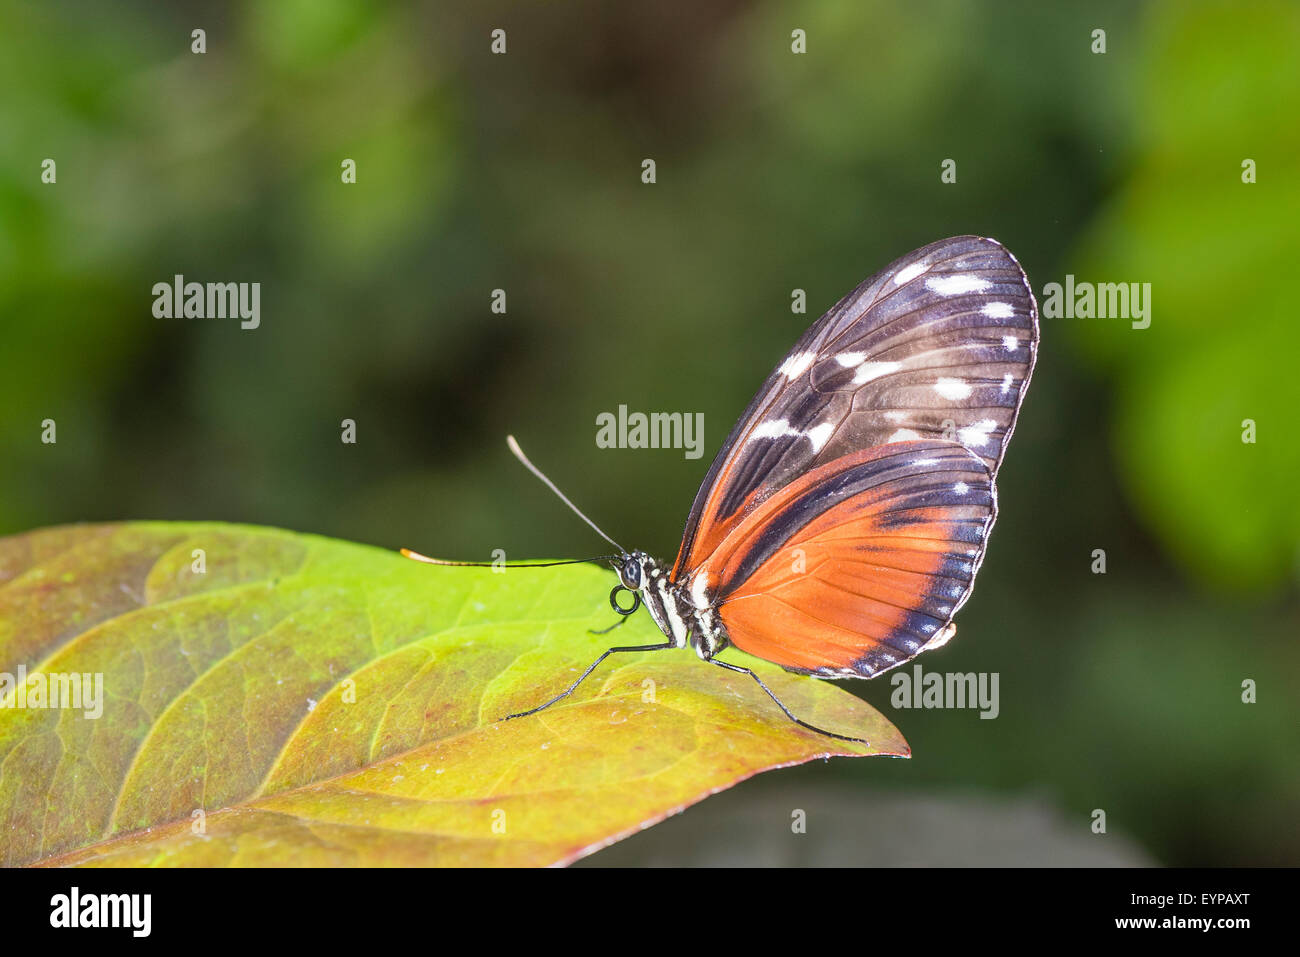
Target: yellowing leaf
(273, 699)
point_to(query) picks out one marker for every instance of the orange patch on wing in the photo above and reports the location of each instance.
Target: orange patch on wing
(819, 603)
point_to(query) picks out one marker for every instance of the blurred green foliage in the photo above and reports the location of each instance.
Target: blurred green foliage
(1220, 255)
(775, 171)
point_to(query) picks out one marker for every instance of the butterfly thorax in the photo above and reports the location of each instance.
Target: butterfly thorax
(686, 615)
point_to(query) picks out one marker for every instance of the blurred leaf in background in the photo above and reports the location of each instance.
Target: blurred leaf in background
(1221, 255)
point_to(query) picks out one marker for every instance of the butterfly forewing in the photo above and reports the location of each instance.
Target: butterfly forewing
(939, 345)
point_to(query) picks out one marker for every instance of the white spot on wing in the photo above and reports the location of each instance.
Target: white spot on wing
(819, 434)
(1010, 343)
(903, 435)
(1006, 383)
(850, 359)
(953, 388)
(976, 435)
(961, 488)
(797, 363)
(874, 370)
(956, 285)
(998, 310)
(773, 430)
(779, 428)
(908, 273)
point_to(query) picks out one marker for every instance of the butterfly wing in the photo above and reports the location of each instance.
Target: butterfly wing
(939, 344)
(861, 563)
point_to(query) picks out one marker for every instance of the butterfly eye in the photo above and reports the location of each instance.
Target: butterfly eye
(631, 574)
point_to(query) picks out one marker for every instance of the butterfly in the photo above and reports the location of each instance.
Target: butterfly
(840, 527)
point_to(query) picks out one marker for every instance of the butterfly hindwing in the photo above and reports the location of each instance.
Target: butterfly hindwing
(939, 345)
(858, 565)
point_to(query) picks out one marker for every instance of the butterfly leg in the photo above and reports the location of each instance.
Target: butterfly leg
(788, 713)
(574, 687)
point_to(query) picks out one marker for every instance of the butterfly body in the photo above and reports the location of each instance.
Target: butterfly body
(684, 611)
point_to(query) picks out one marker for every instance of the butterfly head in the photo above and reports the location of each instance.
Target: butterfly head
(632, 570)
(635, 570)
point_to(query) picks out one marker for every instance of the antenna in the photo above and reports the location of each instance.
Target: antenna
(416, 556)
(519, 454)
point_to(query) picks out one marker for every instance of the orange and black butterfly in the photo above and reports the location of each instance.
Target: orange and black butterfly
(840, 527)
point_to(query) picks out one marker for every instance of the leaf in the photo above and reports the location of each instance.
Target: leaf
(302, 701)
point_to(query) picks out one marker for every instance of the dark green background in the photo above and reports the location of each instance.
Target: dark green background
(775, 171)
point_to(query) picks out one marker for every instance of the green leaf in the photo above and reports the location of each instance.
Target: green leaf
(272, 698)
